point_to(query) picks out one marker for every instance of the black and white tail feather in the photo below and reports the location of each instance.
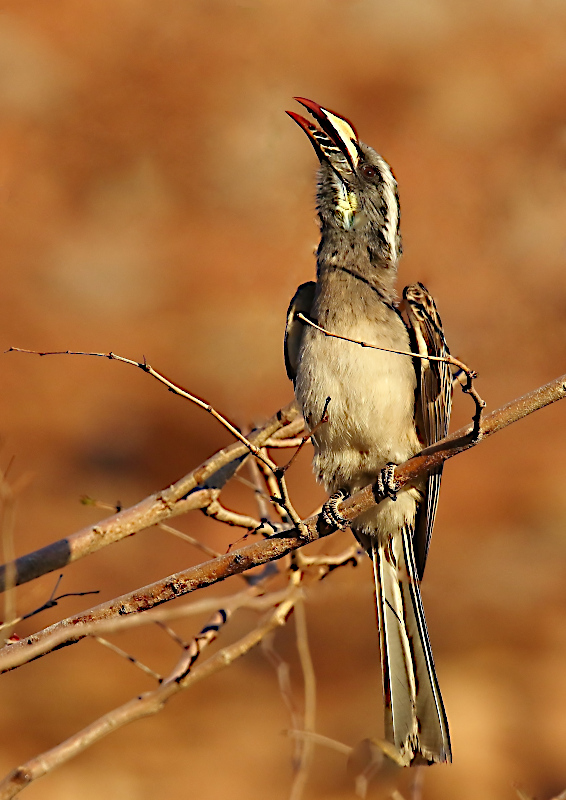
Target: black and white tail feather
(415, 720)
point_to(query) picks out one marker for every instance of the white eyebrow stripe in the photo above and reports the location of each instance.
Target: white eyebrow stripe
(391, 221)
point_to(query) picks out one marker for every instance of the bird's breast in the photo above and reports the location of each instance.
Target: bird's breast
(370, 414)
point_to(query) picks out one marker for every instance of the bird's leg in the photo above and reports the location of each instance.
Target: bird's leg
(330, 514)
(386, 486)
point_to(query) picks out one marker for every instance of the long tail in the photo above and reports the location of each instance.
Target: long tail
(415, 720)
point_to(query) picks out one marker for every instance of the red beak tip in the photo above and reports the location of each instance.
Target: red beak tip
(308, 104)
(304, 123)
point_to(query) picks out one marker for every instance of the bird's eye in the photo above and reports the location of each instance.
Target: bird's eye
(368, 171)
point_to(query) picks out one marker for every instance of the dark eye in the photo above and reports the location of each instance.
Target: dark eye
(368, 171)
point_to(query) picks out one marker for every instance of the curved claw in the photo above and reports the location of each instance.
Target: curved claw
(330, 514)
(386, 485)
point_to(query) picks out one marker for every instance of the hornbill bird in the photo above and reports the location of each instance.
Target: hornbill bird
(370, 409)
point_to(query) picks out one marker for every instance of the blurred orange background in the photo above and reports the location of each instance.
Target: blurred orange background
(155, 200)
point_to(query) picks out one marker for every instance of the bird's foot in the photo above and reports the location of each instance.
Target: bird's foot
(330, 513)
(386, 486)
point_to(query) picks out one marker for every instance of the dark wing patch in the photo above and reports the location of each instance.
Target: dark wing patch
(301, 302)
(434, 403)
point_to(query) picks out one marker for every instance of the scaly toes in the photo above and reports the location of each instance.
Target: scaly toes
(387, 486)
(330, 514)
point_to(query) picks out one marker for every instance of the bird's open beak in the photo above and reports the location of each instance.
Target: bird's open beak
(335, 141)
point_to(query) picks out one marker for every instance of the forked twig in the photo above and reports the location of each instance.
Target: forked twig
(279, 495)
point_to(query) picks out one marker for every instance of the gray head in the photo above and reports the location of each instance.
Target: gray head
(357, 193)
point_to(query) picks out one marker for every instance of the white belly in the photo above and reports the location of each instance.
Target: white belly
(371, 408)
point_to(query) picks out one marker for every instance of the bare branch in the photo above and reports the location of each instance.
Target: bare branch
(117, 624)
(217, 511)
(194, 491)
(141, 706)
(257, 553)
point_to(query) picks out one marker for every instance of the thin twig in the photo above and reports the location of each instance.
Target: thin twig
(282, 671)
(449, 359)
(417, 783)
(309, 716)
(50, 603)
(258, 484)
(325, 564)
(7, 517)
(324, 741)
(173, 387)
(467, 384)
(217, 511)
(171, 633)
(209, 551)
(285, 443)
(204, 548)
(132, 659)
(322, 421)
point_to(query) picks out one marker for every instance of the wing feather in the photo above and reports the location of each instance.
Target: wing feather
(434, 402)
(301, 302)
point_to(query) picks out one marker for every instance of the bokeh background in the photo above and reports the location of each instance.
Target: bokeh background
(155, 200)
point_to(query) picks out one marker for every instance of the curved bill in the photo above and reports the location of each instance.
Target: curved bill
(335, 139)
